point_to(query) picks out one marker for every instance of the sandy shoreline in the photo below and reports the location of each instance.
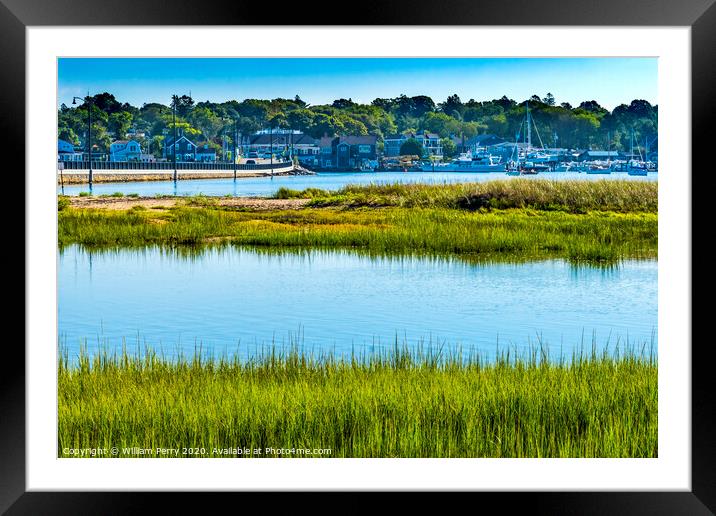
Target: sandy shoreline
(126, 203)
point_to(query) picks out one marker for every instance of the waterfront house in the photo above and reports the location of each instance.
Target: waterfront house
(125, 150)
(598, 155)
(205, 154)
(306, 149)
(185, 149)
(97, 153)
(429, 141)
(286, 144)
(475, 144)
(66, 151)
(348, 152)
(325, 155)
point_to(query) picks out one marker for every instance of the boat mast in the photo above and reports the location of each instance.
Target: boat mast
(529, 127)
(631, 152)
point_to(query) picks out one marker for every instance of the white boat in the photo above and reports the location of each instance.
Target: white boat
(480, 163)
(565, 167)
(598, 167)
(637, 168)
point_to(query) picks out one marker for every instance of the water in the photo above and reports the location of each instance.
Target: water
(237, 300)
(266, 186)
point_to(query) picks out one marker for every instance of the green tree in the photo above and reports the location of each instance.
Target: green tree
(412, 147)
(300, 119)
(442, 124)
(449, 147)
(184, 104)
(452, 105)
(206, 121)
(119, 123)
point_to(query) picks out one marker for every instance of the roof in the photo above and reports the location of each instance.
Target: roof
(485, 140)
(359, 140)
(282, 139)
(326, 141)
(601, 153)
(170, 140)
(424, 134)
(120, 141)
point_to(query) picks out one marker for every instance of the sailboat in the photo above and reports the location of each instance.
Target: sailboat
(513, 168)
(634, 167)
(533, 161)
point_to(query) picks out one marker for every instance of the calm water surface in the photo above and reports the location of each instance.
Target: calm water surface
(265, 186)
(237, 300)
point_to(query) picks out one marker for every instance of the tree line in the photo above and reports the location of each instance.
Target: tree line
(585, 126)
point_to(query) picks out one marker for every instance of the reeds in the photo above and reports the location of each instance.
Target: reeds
(592, 237)
(394, 404)
(539, 194)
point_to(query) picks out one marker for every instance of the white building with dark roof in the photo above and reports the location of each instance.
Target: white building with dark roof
(125, 150)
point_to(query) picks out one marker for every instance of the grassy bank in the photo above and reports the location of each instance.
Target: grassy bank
(394, 406)
(518, 233)
(621, 196)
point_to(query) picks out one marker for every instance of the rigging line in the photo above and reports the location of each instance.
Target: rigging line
(537, 131)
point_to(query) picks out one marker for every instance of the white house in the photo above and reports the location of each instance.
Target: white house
(429, 141)
(282, 142)
(125, 150)
(66, 151)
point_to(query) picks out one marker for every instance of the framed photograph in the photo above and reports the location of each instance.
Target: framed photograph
(431, 251)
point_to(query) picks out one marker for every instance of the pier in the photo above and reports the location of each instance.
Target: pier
(74, 172)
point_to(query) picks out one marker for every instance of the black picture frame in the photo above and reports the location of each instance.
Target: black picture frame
(699, 15)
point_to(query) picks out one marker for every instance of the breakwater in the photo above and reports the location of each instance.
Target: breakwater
(118, 172)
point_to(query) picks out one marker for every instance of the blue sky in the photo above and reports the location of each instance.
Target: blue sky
(609, 81)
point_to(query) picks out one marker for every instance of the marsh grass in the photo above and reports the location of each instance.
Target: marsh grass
(393, 404)
(538, 194)
(593, 237)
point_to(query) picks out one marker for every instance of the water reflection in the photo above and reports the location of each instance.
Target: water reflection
(189, 252)
(226, 299)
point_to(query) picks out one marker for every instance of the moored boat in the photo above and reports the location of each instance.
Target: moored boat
(480, 163)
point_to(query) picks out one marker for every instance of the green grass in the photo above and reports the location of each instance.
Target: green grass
(593, 237)
(538, 194)
(394, 405)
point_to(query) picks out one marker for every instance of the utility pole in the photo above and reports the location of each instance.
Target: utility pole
(89, 136)
(271, 145)
(174, 122)
(233, 154)
(88, 101)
